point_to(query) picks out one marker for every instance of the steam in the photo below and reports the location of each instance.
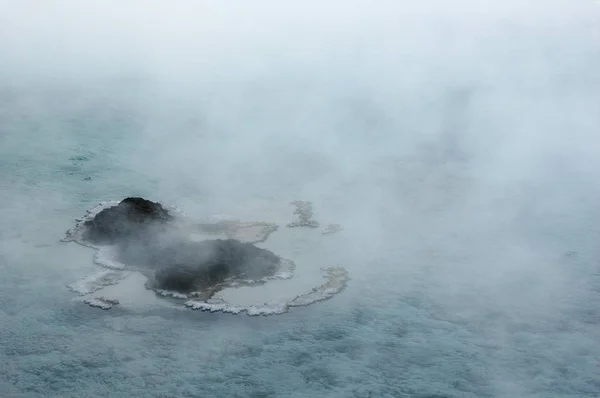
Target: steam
(456, 143)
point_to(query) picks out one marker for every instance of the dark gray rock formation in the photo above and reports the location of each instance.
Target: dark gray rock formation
(186, 266)
(130, 219)
(146, 237)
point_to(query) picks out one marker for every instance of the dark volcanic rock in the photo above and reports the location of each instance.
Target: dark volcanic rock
(144, 238)
(131, 218)
(193, 266)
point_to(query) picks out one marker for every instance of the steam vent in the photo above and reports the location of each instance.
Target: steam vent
(161, 246)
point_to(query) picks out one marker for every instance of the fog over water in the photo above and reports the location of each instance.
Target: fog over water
(456, 143)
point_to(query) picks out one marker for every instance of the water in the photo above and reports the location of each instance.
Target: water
(459, 153)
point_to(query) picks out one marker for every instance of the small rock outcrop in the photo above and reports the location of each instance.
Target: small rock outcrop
(196, 266)
(130, 219)
(186, 266)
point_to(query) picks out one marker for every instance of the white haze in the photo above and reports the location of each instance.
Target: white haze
(456, 142)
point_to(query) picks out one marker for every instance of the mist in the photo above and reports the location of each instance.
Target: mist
(456, 143)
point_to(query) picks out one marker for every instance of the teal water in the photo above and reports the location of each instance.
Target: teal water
(466, 177)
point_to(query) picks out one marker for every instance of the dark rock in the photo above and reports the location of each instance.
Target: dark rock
(191, 266)
(144, 238)
(131, 218)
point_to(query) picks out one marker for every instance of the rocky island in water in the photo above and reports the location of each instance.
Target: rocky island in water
(138, 235)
